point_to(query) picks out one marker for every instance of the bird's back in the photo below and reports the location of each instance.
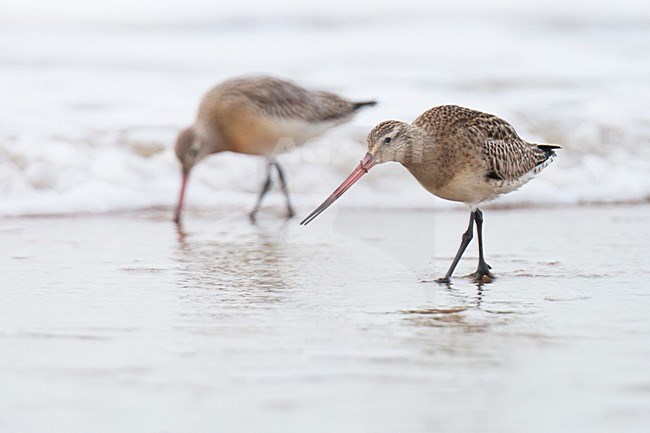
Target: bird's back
(479, 155)
(253, 113)
(281, 99)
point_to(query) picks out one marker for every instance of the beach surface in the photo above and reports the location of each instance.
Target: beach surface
(123, 323)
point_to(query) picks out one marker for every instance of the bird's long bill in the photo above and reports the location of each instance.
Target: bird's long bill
(366, 164)
(181, 197)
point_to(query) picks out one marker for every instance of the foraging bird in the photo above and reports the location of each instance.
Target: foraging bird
(457, 154)
(259, 116)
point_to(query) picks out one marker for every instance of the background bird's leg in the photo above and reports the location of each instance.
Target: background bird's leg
(483, 269)
(283, 185)
(265, 189)
(467, 237)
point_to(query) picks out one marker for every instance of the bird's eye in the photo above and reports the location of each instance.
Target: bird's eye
(387, 140)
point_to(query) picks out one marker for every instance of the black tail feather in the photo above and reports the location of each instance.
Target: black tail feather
(549, 149)
(357, 105)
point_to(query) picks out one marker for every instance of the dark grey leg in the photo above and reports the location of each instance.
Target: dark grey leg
(265, 188)
(283, 185)
(467, 237)
(483, 269)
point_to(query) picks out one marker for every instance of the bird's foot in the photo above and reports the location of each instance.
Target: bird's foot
(483, 274)
(443, 280)
(252, 216)
(290, 212)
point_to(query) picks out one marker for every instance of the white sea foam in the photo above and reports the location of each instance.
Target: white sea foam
(89, 112)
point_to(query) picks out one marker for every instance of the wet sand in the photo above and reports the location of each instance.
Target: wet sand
(119, 323)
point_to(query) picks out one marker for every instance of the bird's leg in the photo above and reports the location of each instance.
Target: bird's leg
(283, 185)
(265, 188)
(467, 237)
(483, 269)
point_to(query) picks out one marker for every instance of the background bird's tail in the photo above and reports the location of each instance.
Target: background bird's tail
(358, 105)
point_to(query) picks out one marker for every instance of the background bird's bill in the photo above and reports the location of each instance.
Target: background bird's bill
(181, 196)
(366, 164)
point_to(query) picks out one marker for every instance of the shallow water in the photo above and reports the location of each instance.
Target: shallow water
(122, 323)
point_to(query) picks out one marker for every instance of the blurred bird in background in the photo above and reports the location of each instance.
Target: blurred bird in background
(259, 116)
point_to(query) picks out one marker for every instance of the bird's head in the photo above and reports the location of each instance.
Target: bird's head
(189, 151)
(393, 140)
(388, 141)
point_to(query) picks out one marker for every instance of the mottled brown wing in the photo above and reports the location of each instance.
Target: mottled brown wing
(285, 100)
(508, 157)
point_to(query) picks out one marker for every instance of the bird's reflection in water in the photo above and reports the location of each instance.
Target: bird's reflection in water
(462, 308)
(232, 265)
(463, 327)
